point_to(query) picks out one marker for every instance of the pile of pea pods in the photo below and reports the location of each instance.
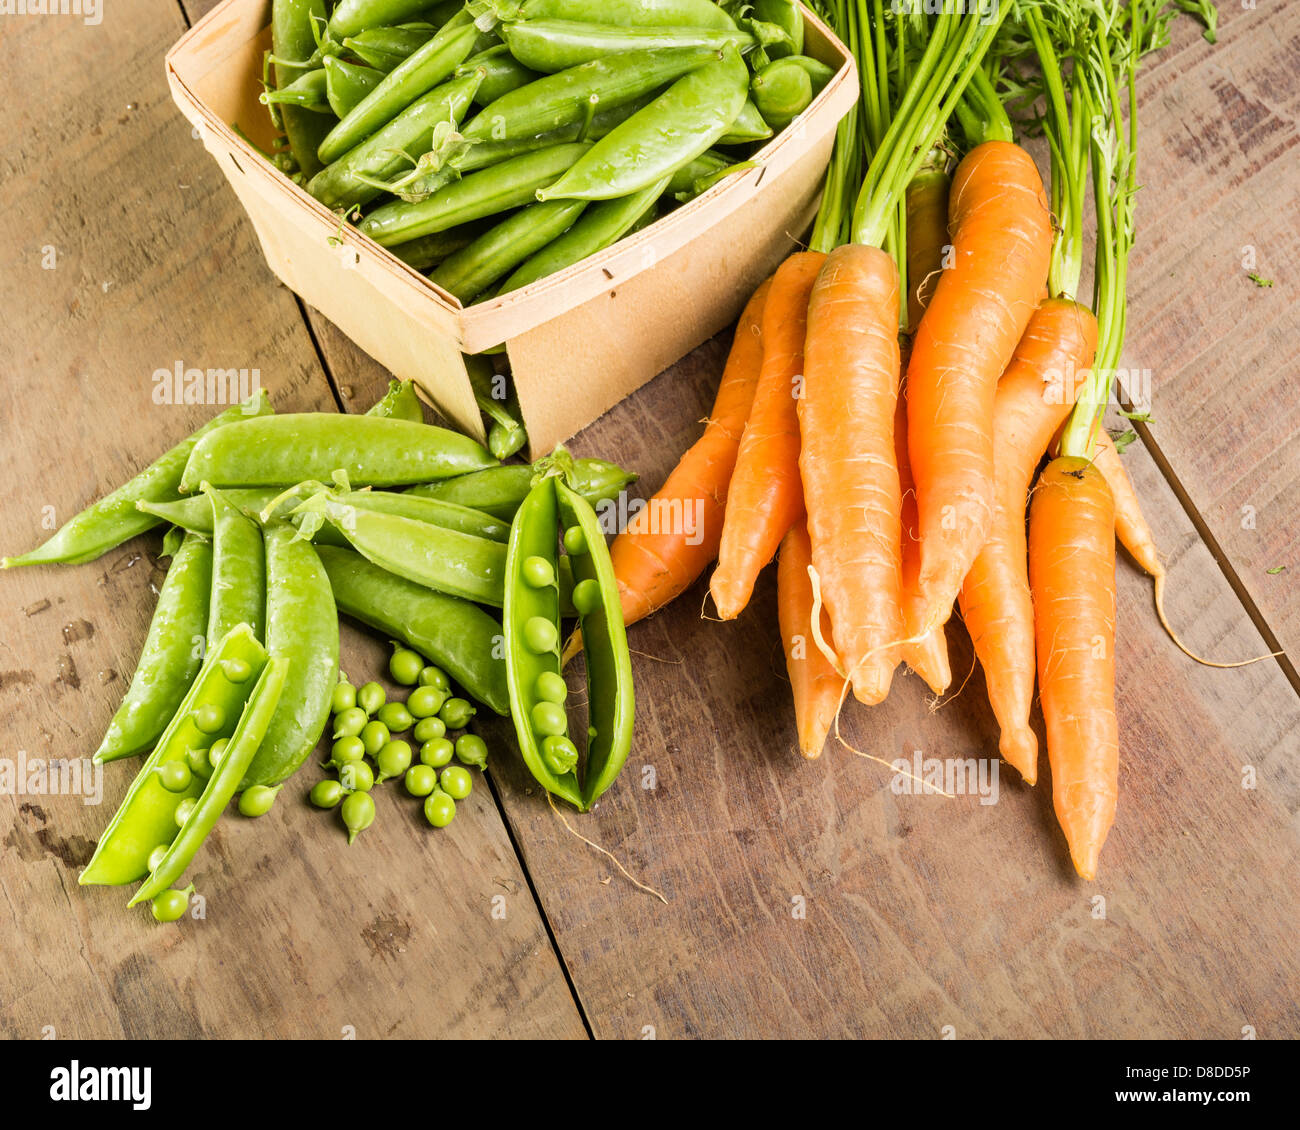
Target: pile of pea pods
(495, 143)
(279, 524)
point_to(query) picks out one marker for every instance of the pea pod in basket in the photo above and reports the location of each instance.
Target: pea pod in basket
(532, 641)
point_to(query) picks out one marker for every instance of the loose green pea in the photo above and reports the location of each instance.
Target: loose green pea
(393, 760)
(421, 780)
(371, 697)
(350, 722)
(586, 596)
(236, 670)
(541, 635)
(184, 809)
(217, 752)
(358, 813)
(172, 905)
(456, 713)
(209, 719)
(258, 800)
(326, 794)
(538, 573)
(426, 729)
(175, 776)
(575, 541)
(550, 687)
(156, 856)
(405, 666)
(375, 736)
(344, 697)
(435, 677)
(395, 716)
(437, 752)
(357, 777)
(439, 809)
(472, 750)
(425, 702)
(348, 749)
(559, 753)
(456, 782)
(549, 718)
(197, 760)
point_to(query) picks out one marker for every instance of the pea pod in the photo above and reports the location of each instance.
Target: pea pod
(308, 91)
(484, 154)
(238, 570)
(496, 253)
(502, 73)
(631, 13)
(781, 93)
(347, 84)
(223, 784)
(194, 514)
(173, 652)
(433, 249)
(600, 226)
(399, 403)
(496, 399)
(511, 184)
(432, 511)
(145, 818)
(748, 127)
(818, 73)
(786, 15)
(673, 130)
(500, 491)
(313, 445)
(457, 636)
(550, 46)
(353, 16)
(385, 47)
(115, 518)
(293, 38)
(560, 100)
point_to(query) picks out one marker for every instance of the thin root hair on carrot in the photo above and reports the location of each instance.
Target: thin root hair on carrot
(1164, 621)
(605, 852)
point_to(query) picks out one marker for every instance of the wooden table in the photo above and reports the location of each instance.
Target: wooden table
(803, 899)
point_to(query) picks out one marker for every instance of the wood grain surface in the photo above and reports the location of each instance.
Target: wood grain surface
(803, 899)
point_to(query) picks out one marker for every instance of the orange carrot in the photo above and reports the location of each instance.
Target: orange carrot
(848, 465)
(927, 238)
(1130, 523)
(1002, 240)
(1072, 575)
(818, 687)
(1035, 396)
(766, 497)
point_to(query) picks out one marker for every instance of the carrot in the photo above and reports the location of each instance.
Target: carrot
(766, 497)
(818, 688)
(1072, 575)
(1130, 523)
(927, 240)
(848, 464)
(1034, 397)
(1002, 240)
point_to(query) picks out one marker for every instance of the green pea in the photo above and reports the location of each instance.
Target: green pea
(405, 666)
(559, 753)
(197, 760)
(236, 670)
(456, 713)
(217, 752)
(344, 697)
(395, 716)
(538, 573)
(348, 749)
(456, 782)
(175, 776)
(156, 856)
(425, 702)
(183, 810)
(371, 697)
(171, 905)
(258, 800)
(326, 794)
(550, 687)
(439, 809)
(437, 752)
(209, 719)
(541, 635)
(549, 719)
(426, 729)
(435, 677)
(586, 596)
(374, 737)
(421, 780)
(350, 722)
(393, 760)
(575, 541)
(358, 813)
(357, 777)
(472, 750)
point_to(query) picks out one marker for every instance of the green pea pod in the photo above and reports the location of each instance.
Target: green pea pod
(748, 127)
(559, 100)
(238, 570)
(818, 73)
(313, 445)
(346, 182)
(672, 131)
(385, 47)
(781, 93)
(433, 249)
(459, 637)
(309, 91)
(145, 818)
(787, 15)
(512, 184)
(399, 403)
(631, 13)
(502, 73)
(301, 626)
(353, 16)
(293, 38)
(495, 394)
(496, 253)
(600, 226)
(484, 154)
(347, 84)
(432, 511)
(429, 66)
(173, 652)
(194, 514)
(115, 518)
(500, 491)
(550, 46)
(224, 782)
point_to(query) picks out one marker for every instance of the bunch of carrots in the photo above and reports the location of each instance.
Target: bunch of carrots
(894, 390)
